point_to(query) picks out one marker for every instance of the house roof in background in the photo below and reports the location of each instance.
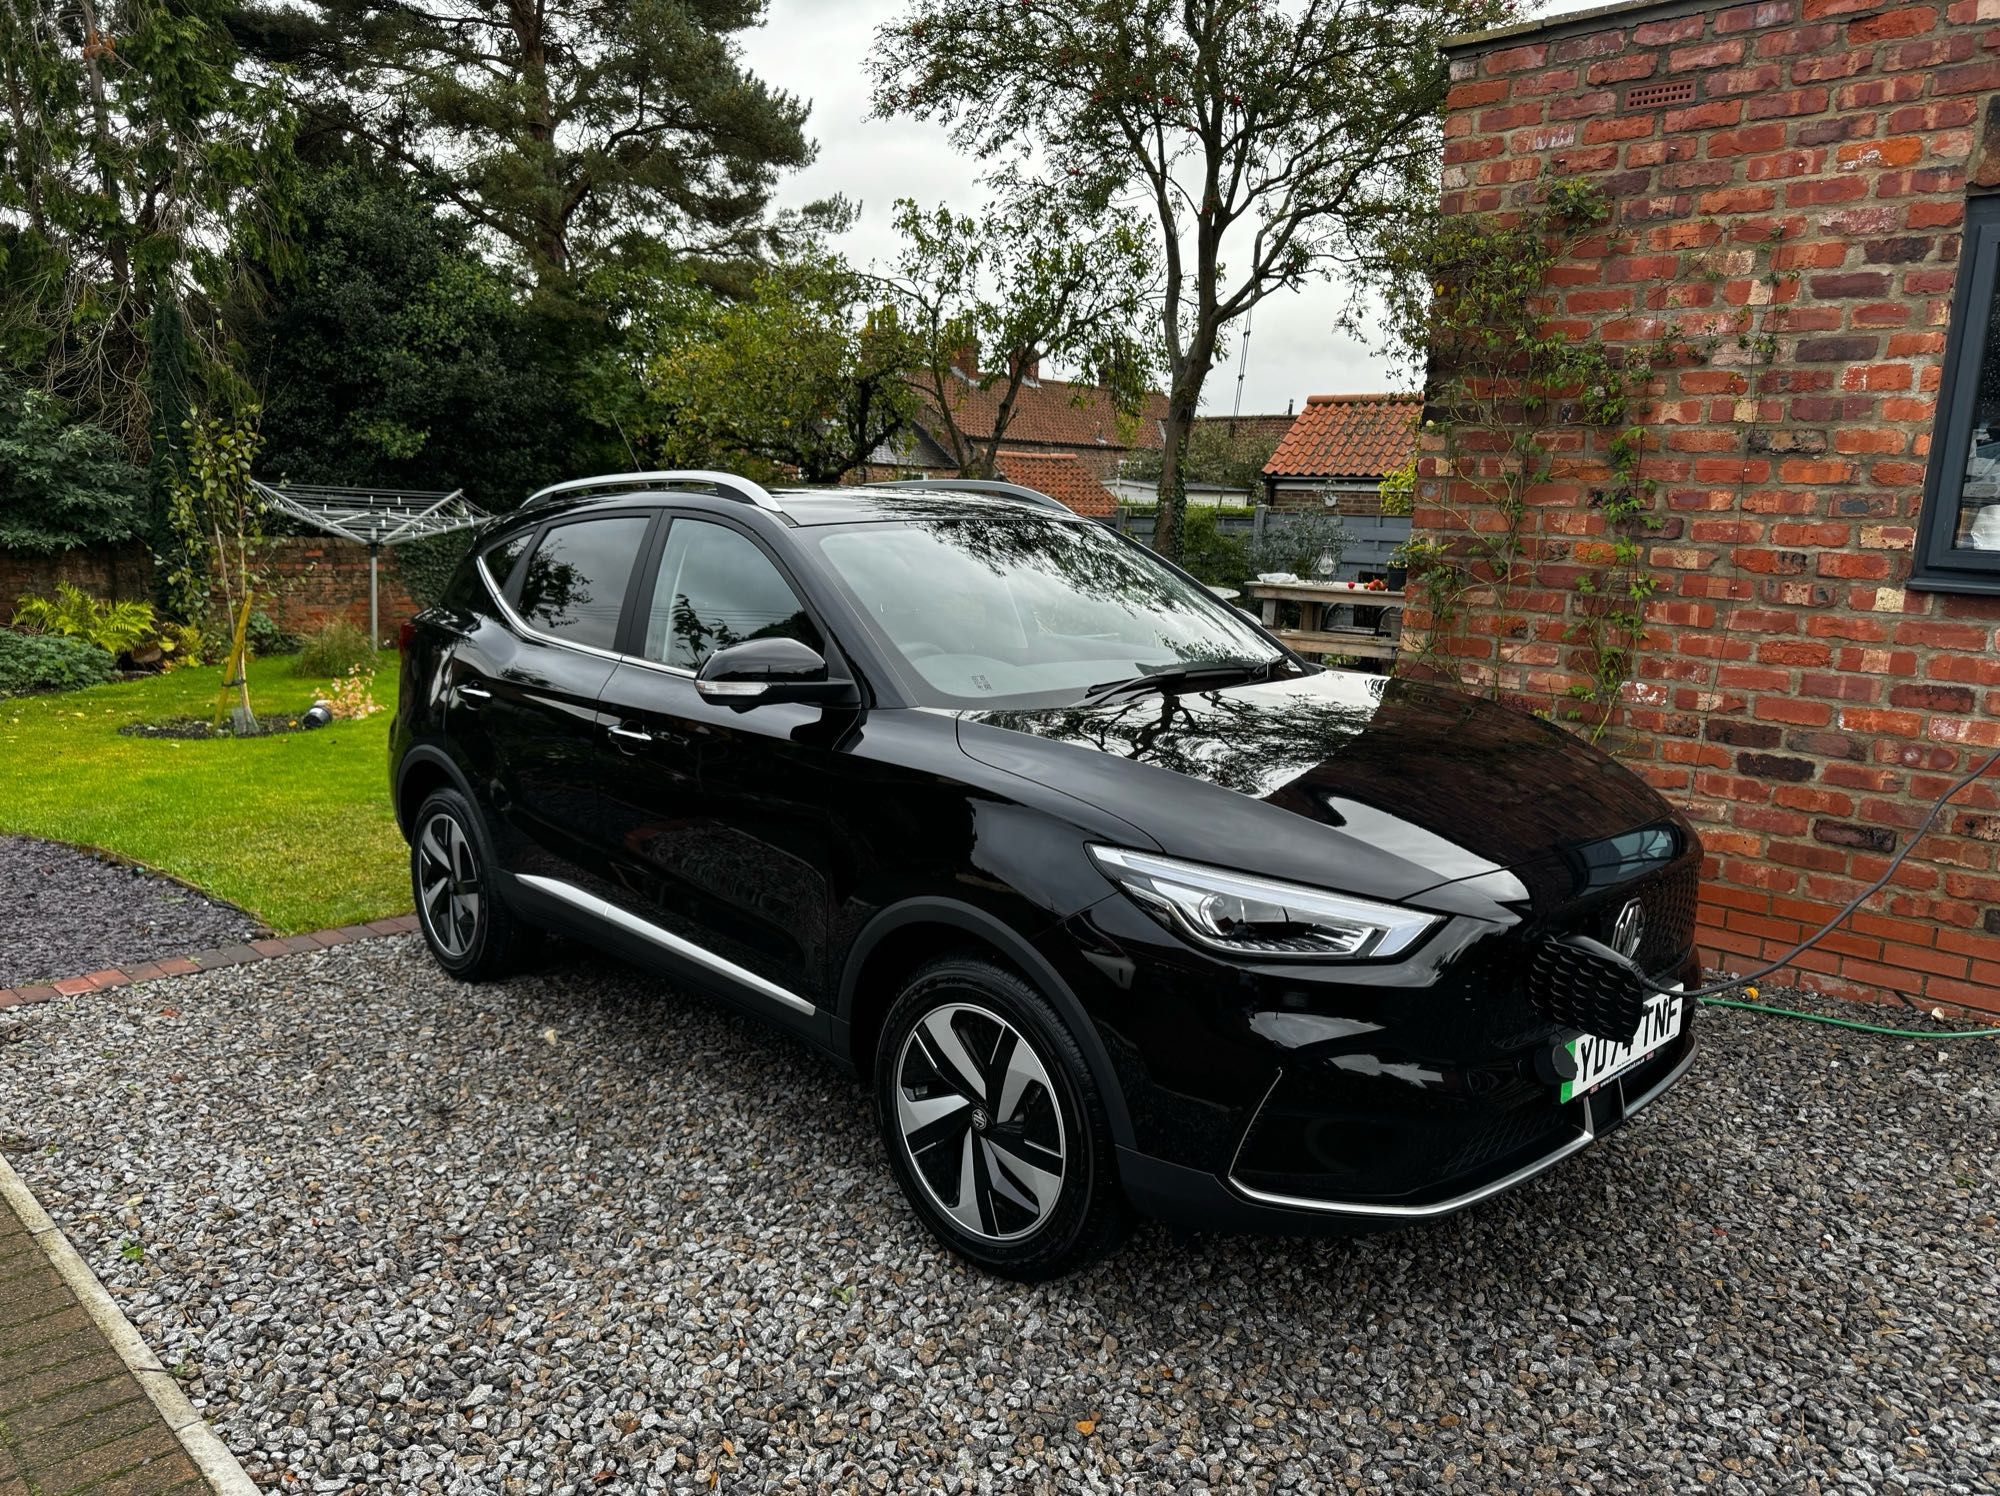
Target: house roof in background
(1249, 434)
(1348, 436)
(1061, 476)
(1056, 413)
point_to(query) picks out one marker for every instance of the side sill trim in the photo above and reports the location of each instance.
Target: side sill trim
(611, 914)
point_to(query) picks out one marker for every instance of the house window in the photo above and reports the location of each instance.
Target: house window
(1958, 540)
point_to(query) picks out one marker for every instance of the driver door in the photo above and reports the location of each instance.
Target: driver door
(725, 821)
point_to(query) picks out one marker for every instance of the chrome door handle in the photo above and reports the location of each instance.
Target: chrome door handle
(630, 734)
(477, 693)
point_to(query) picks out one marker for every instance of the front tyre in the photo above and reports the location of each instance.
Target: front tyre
(994, 1125)
(471, 932)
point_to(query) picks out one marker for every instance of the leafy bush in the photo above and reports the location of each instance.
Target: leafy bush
(49, 662)
(63, 482)
(1210, 552)
(266, 638)
(114, 627)
(1295, 542)
(337, 649)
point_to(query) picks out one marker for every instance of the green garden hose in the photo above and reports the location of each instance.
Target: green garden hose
(1849, 1023)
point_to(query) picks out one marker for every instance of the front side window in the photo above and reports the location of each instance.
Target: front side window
(1958, 545)
(716, 588)
(573, 587)
(1019, 610)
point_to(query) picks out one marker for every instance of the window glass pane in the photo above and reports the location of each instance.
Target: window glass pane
(1976, 491)
(716, 589)
(575, 584)
(1020, 610)
(500, 560)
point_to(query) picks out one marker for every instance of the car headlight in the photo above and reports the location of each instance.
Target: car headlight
(1257, 918)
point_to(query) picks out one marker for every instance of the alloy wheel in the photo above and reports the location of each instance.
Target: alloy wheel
(448, 884)
(979, 1120)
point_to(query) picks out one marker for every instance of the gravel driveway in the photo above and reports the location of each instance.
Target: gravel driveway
(578, 1232)
(65, 912)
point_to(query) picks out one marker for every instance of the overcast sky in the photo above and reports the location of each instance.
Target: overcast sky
(820, 52)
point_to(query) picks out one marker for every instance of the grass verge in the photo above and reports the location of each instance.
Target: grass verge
(295, 828)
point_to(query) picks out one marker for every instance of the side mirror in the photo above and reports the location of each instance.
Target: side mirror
(765, 670)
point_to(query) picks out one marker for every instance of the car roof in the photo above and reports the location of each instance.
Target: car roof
(806, 507)
(849, 506)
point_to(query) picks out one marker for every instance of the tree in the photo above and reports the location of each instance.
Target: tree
(562, 126)
(63, 482)
(1215, 453)
(139, 163)
(1270, 142)
(396, 355)
(809, 371)
(219, 519)
(1034, 278)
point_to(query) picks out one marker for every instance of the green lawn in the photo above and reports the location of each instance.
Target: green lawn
(296, 828)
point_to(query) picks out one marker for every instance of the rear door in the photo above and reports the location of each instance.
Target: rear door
(524, 691)
(727, 823)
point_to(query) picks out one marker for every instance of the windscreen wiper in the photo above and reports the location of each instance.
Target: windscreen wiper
(1185, 673)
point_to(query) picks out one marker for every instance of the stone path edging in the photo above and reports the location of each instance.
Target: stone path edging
(210, 1455)
(241, 954)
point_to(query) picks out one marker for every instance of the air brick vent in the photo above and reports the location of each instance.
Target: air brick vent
(1653, 95)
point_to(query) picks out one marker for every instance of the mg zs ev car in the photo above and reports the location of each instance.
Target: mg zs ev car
(1113, 900)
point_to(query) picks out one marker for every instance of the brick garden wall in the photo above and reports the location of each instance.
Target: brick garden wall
(316, 581)
(1792, 694)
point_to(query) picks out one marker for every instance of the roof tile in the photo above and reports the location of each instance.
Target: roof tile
(1061, 476)
(1348, 436)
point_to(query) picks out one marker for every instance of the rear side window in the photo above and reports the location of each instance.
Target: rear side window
(715, 589)
(573, 587)
(502, 558)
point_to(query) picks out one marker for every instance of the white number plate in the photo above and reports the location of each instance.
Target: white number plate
(1598, 1060)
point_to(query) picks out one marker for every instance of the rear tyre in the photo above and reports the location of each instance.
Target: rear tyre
(994, 1125)
(469, 928)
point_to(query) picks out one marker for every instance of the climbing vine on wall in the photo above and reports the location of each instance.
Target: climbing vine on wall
(1536, 423)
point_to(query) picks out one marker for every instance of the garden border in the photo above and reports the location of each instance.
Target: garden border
(241, 953)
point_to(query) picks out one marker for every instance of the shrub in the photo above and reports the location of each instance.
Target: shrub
(337, 649)
(1295, 543)
(1211, 553)
(49, 662)
(352, 696)
(115, 627)
(266, 638)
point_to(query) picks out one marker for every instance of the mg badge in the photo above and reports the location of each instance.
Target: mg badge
(1628, 930)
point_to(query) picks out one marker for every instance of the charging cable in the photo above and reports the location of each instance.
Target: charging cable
(1708, 993)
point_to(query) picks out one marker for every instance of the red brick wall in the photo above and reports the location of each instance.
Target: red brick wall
(314, 580)
(1791, 694)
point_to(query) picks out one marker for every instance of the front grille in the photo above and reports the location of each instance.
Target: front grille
(1580, 990)
(1671, 902)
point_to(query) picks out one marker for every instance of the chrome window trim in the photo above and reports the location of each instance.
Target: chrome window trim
(521, 626)
(645, 929)
(1527, 1171)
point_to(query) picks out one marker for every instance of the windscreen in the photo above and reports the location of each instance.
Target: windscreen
(1019, 610)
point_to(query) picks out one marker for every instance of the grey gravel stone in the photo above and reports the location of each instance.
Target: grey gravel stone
(577, 1232)
(65, 912)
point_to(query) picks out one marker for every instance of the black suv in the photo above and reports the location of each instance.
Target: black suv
(1113, 899)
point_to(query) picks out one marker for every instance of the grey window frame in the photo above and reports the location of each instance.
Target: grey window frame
(1939, 565)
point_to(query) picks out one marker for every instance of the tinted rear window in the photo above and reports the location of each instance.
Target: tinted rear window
(574, 585)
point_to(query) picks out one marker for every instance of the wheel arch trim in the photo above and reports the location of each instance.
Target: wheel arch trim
(427, 756)
(990, 930)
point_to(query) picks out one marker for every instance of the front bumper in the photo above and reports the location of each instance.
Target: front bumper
(1309, 1100)
(1197, 1198)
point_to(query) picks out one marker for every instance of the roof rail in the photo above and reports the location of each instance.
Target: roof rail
(723, 485)
(992, 486)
